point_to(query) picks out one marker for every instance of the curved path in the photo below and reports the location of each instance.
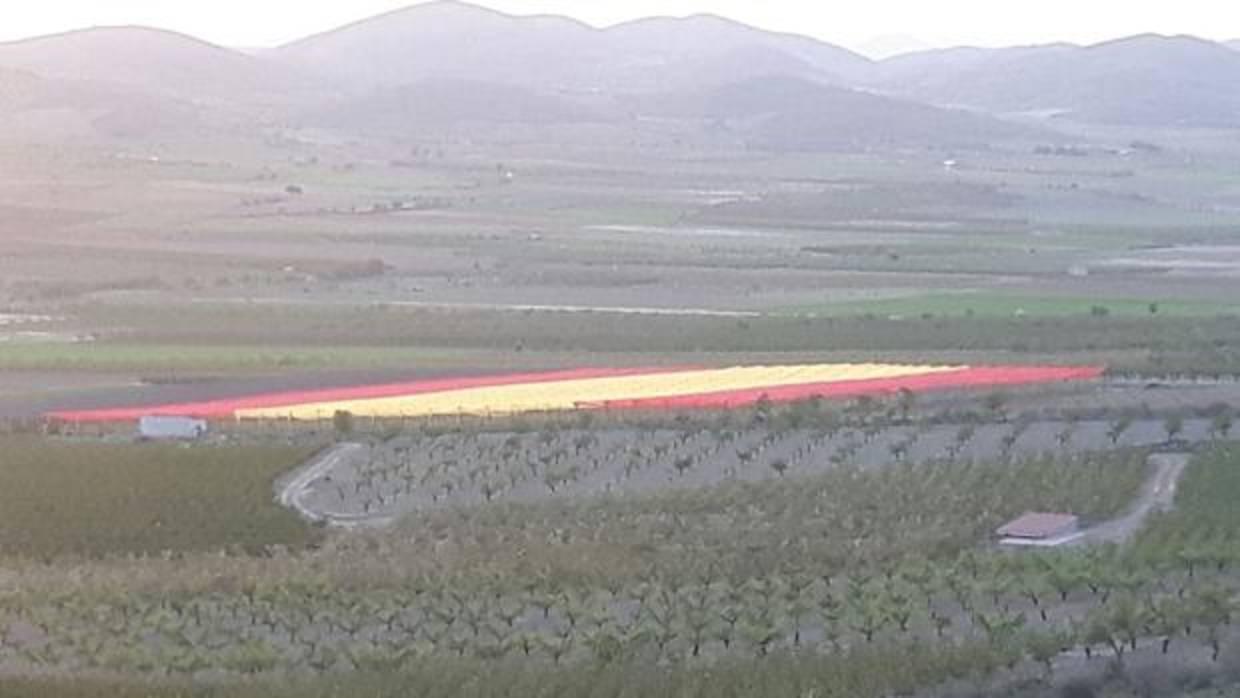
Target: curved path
(1158, 494)
(292, 493)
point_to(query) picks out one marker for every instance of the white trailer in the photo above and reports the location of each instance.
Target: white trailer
(171, 428)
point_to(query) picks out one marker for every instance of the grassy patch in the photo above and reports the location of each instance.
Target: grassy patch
(90, 499)
(156, 358)
(860, 673)
(169, 339)
(995, 306)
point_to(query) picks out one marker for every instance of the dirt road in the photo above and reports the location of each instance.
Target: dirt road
(1158, 494)
(292, 492)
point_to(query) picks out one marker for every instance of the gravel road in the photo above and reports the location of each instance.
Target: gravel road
(293, 491)
(1158, 494)
(297, 486)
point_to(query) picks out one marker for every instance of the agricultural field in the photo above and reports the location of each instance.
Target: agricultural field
(269, 342)
(781, 538)
(605, 389)
(388, 480)
(95, 500)
(597, 257)
(1008, 305)
(778, 576)
(844, 551)
(633, 408)
(377, 615)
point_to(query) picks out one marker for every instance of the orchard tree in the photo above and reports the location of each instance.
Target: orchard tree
(996, 405)
(1222, 425)
(1044, 647)
(343, 423)
(1118, 429)
(1174, 426)
(1165, 617)
(1212, 608)
(906, 402)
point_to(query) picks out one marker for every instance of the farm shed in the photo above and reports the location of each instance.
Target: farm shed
(1040, 529)
(171, 428)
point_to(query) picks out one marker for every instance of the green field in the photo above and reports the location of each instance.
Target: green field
(878, 553)
(753, 542)
(864, 673)
(1187, 338)
(157, 358)
(1000, 305)
(62, 498)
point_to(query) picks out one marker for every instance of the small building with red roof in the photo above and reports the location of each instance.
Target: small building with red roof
(1040, 529)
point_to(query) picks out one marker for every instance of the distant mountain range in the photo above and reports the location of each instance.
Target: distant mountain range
(159, 61)
(792, 114)
(890, 45)
(452, 40)
(36, 108)
(1147, 80)
(391, 110)
(451, 63)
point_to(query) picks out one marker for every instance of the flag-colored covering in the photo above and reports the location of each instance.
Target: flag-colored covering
(603, 389)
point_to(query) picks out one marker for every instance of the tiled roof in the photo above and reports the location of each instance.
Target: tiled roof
(1038, 525)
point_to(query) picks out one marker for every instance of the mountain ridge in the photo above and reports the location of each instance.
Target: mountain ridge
(1145, 79)
(464, 41)
(153, 59)
(395, 69)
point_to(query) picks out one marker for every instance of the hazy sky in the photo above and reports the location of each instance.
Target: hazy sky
(849, 22)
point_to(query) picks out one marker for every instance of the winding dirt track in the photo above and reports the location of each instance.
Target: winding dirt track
(295, 489)
(1158, 494)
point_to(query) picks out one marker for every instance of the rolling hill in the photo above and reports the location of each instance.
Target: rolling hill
(664, 43)
(55, 110)
(447, 41)
(450, 40)
(788, 114)
(397, 110)
(158, 62)
(891, 45)
(1146, 80)
(448, 63)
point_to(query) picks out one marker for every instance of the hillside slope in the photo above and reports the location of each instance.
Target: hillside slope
(397, 110)
(51, 110)
(1147, 80)
(450, 40)
(783, 113)
(158, 61)
(447, 41)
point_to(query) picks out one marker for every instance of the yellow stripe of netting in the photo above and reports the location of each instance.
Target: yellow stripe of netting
(570, 394)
